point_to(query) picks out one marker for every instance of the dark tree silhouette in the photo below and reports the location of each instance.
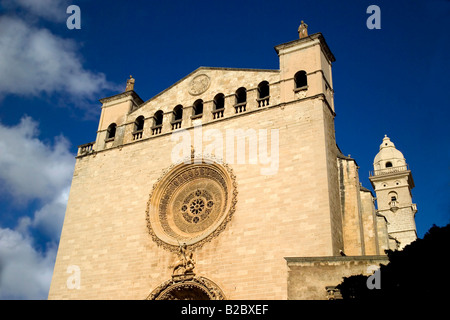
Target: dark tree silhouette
(420, 270)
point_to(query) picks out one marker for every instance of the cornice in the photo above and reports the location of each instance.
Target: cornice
(130, 93)
(316, 36)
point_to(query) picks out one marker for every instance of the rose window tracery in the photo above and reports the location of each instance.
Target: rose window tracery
(191, 204)
(197, 206)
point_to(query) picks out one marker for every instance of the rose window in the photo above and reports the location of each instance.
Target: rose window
(189, 203)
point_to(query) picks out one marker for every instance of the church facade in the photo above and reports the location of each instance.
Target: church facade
(229, 185)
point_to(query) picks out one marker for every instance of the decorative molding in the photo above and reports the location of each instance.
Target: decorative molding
(304, 42)
(122, 95)
(189, 287)
(199, 84)
(185, 285)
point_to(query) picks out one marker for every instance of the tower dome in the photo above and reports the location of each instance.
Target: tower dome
(388, 156)
(392, 181)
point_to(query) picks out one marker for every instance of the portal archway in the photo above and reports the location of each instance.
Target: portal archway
(190, 288)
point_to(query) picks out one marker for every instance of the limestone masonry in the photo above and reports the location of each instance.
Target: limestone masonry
(229, 185)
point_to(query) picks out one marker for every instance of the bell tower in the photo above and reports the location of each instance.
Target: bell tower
(392, 181)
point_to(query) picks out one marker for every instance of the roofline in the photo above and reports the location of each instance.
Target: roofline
(124, 94)
(341, 155)
(314, 36)
(210, 68)
(141, 101)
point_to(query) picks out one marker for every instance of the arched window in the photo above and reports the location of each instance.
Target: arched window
(301, 81)
(177, 117)
(393, 200)
(241, 95)
(111, 131)
(139, 123)
(388, 164)
(197, 109)
(158, 118)
(219, 101)
(241, 100)
(157, 122)
(138, 128)
(178, 112)
(263, 94)
(219, 106)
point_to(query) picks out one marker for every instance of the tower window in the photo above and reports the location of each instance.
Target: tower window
(178, 112)
(393, 196)
(219, 106)
(241, 95)
(157, 122)
(241, 100)
(301, 81)
(388, 164)
(263, 94)
(138, 128)
(139, 124)
(394, 204)
(111, 131)
(177, 117)
(197, 109)
(158, 118)
(219, 101)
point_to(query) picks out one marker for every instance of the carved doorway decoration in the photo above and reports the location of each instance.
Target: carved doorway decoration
(187, 288)
(185, 285)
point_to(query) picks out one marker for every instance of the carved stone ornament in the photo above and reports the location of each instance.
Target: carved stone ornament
(187, 288)
(186, 263)
(191, 203)
(199, 84)
(303, 30)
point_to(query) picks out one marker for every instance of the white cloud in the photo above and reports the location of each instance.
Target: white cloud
(35, 61)
(24, 272)
(32, 170)
(52, 10)
(49, 218)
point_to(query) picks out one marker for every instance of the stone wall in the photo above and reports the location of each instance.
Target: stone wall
(294, 211)
(309, 277)
(284, 214)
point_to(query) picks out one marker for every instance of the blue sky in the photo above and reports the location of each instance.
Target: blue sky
(392, 81)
